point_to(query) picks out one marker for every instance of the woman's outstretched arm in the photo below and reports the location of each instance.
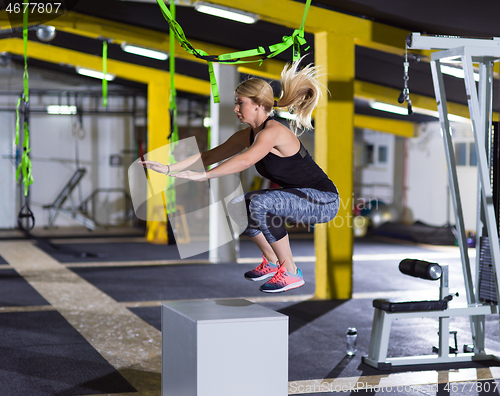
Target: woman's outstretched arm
(232, 146)
(264, 142)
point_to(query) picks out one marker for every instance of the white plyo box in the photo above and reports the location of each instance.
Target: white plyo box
(223, 348)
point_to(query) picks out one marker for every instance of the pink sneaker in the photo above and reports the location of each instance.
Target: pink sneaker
(283, 281)
(263, 271)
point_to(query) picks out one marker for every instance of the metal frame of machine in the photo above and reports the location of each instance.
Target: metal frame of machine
(467, 51)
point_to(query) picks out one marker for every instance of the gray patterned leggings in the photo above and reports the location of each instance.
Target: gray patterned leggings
(267, 211)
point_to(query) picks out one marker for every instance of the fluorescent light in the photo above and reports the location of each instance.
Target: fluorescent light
(435, 113)
(389, 108)
(452, 71)
(134, 49)
(456, 72)
(430, 113)
(287, 115)
(452, 59)
(455, 118)
(56, 109)
(417, 110)
(94, 73)
(228, 13)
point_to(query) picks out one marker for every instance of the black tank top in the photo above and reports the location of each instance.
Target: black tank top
(296, 171)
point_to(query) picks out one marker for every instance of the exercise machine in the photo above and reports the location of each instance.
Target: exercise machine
(482, 293)
(387, 311)
(74, 212)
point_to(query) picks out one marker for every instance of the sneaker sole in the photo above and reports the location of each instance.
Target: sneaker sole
(286, 288)
(269, 275)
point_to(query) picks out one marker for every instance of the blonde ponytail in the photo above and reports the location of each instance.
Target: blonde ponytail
(300, 92)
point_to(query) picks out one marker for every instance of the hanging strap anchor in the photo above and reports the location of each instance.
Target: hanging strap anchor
(25, 213)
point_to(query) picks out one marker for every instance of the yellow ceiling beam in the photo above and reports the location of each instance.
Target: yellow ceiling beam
(143, 74)
(98, 28)
(395, 127)
(289, 13)
(366, 33)
(282, 12)
(423, 55)
(123, 70)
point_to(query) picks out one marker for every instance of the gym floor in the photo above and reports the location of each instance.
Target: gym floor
(80, 315)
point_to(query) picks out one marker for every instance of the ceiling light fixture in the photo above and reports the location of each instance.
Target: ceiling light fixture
(226, 12)
(136, 50)
(435, 113)
(94, 73)
(403, 111)
(389, 108)
(456, 72)
(56, 109)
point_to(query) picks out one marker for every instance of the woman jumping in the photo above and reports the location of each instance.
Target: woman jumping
(307, 195)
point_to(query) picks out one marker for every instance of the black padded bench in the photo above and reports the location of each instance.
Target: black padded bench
(410, 306)
(418, 269)
(387, 310)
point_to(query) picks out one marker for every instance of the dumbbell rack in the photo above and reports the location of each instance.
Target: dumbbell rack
(467, 51)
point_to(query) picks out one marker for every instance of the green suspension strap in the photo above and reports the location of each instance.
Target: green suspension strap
(300, 36)
(25, 165)
(104, 72)
(296, 40)
(174, 131)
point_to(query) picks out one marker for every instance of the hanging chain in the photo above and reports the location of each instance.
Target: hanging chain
(405, 93)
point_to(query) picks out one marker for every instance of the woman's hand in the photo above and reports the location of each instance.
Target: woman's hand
(190, 175)
(155, 166)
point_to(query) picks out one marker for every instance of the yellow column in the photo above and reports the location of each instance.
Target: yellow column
(158, 132)
(334, 134)
(158, 115)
